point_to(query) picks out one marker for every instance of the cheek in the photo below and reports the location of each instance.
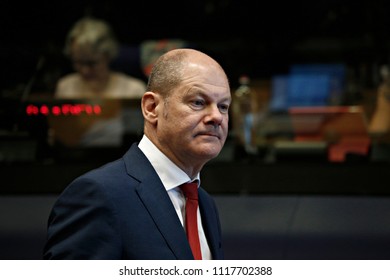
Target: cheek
(175, 125)
(225, 125)
(180, 120)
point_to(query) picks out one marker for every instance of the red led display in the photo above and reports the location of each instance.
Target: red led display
(63, 109)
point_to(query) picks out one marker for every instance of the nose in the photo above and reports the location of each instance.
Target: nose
(215, 116)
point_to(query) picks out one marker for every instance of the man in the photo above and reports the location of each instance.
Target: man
(133, 208)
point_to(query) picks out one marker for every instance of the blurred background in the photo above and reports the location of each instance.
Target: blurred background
(301, 176)
(258, 39)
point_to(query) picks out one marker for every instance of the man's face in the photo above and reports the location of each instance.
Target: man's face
(193, 121)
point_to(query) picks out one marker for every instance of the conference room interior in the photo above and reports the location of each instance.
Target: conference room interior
(315, 186)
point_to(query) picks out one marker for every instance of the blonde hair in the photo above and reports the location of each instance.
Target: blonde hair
(94, 34)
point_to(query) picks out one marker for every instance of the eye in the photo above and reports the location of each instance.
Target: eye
(223, 108)
(198, 103)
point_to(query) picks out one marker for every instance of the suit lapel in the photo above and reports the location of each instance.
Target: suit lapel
(211, 225)
(157, 202)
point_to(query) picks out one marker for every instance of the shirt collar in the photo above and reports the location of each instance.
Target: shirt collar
(170, 174)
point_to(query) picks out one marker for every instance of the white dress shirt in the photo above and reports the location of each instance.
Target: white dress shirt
(172, 177)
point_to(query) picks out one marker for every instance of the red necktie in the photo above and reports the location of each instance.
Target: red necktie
(190, 191)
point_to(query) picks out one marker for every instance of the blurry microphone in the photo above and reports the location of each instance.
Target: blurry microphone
(31, 81)
(27, 90)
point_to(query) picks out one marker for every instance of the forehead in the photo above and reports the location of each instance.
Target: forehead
(204, 75)
(83, 51)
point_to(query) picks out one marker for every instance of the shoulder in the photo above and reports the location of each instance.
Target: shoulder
(69, 79)
(133, 87)
(66, 85)
(100, 188)
(118, 174)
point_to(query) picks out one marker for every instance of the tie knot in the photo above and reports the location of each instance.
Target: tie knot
(190, 190)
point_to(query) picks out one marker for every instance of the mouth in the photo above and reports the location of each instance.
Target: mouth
(209, 134)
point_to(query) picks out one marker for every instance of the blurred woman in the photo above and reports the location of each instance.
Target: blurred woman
(91, 46)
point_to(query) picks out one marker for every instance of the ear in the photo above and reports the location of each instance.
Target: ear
(149, 104)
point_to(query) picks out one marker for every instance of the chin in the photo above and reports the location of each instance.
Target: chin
(210, 153)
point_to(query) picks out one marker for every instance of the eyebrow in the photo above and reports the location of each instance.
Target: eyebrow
(198, 90)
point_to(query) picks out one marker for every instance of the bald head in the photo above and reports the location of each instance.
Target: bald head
(168, 70)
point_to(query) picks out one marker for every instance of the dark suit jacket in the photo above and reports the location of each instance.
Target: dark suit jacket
(122, 211)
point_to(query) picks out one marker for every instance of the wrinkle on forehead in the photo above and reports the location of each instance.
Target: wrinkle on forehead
(196, 68)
